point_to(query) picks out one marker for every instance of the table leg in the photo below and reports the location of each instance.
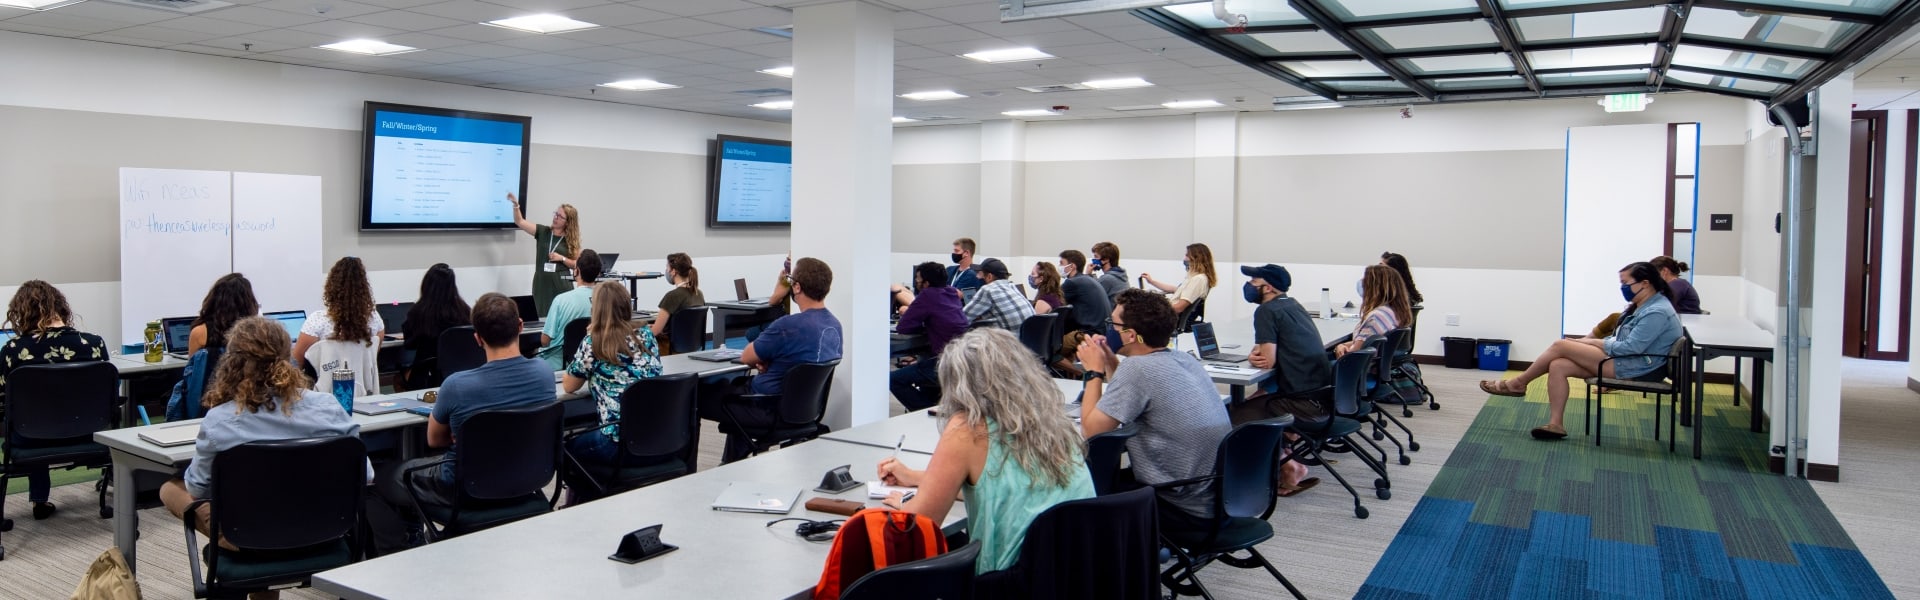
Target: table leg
(126, 516)
(1699, 413)
(1754, 417)
(1238, 393)
(1736, 381)
(719, 328)
(633, 292)
(1689, 403)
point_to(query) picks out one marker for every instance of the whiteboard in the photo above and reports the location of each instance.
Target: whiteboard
(276, 238)
(1616, 215)
(175, 240)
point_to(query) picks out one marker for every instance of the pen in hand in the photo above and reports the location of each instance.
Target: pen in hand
(898, 445)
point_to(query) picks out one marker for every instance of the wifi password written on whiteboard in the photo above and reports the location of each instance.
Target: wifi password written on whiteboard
(153, 224)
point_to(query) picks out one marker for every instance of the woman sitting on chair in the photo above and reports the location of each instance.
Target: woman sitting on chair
(612, 356)
(1385, 302)
(1640, 345)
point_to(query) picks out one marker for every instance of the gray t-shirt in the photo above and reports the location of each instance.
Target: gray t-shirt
(1114, 280)
(1181, 420)
(1299, 359)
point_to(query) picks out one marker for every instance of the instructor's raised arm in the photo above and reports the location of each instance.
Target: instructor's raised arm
(520, 217)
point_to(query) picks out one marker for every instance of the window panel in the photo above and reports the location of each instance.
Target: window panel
(1478, 83)
(1744, 62)
(1473, 63)
(1686, 147)
(1381, 9)
(1592, 57)
(1261, 13)
(1294, 42)
(1612, 23)
(1683, 201)
(1331, 68)
(1776, 30)
(1366, 86)
(1437, 35)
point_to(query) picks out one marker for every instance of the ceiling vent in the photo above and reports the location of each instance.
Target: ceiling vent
(766, 92)
(1058, 87)
(185, 7)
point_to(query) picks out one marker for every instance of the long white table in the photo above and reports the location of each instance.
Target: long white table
(1236, 337)
(564, 554)
(921, 429)
(1715, 336)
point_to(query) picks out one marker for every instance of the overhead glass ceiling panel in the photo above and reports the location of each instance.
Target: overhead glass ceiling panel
(1581, 26)
(1744, 62)
(1478, 83)
(1595, 77)
(1472, 63)
(1331, 68)
(1592, 57)
(1352, 10)
(1258, 13)
(1516, 4)
(1293, 42)
(1748, 85)
(1775, 30)
(1437, 35)
(1366, 86)
(1865, 7)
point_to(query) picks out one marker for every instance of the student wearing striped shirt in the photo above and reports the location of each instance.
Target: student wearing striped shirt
(1384, 298)
(998, 303)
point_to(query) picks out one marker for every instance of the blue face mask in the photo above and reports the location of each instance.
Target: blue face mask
(1185, 266)
(1033, 282)
(1626, 291)
(1250, 292)
(1095, 263)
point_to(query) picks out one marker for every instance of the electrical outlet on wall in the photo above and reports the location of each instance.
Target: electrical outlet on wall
(1453, 320)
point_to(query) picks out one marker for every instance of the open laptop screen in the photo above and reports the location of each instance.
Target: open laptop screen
(177, 330)
(1204, 340)
(290, 319)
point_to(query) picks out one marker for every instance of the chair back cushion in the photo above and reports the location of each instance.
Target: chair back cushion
(804, 393)
(1102, 548)
(61, 401)
(657, 415)
(508, 453)
(1350, 375)
(1103, 457)
(945, 577)
(459, 351)
(1246, 484)
(287, 494)
(1035, 331)
(570, 339)
(687, 330)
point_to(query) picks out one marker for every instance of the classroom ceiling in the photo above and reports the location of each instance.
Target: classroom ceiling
(709, 47)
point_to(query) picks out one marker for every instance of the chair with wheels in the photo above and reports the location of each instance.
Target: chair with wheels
(659, 438)
(687, 330)
(459, 351)
(1672, 380)
(1334, 431)
(1243, 498)
(570, 338)
(1380, 392)
(1103, 457)
(52, 412)
(945, 577)
(1036, 333)
(507, 457)
(1102, 548)
(796, 411)
(258, 488)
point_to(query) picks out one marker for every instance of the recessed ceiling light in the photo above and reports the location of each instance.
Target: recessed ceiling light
(639, 85)
(38, 4)
(905, 120)
(1006, 55)
(934, 95)
(542, 23)
(1193, 104)
(776, 105)
(368, 47)
(786, 72)
(1117, 84)
(1032, 112)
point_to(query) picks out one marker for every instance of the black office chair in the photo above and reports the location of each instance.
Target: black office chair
(797, 410)
(459, 351)
(1036, 333)
(659, 438)
(52, 412)
(687, 330)
(1066, 321)
(1195, 313)
(1672, 380)
(1104, 548)
(570, 338)
(1333, 432)
(1380, 391)
(1103, 457)
(1397, 366)
(945, 577)
(289, 505)
(507, 457)
(1243, 498)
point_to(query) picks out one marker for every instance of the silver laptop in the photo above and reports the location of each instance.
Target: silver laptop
(757, 498)
(380, 405)
(1210, 347)
(167, 436)
(716, 355)
(176, 331)
(740, 293)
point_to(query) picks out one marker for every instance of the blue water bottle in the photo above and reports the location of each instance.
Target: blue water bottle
(343, 388)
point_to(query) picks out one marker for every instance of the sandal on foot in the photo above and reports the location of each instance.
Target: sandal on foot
(1547, 432)
(1295, 489)
(1498, 388)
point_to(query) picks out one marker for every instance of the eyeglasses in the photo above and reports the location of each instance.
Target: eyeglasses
(1117, 325)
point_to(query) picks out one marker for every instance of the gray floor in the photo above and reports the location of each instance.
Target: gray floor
(1319, 545)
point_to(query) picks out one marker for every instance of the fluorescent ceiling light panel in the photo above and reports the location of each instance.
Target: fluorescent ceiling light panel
(542, 23)
(786, 72)
(38, 4)
(934, 95)
(1006, 55)
(1178, 104)
(639, 85)
(1117, 84)
(776, 105)
(1032, 112)
(905, 120)
(368, 47)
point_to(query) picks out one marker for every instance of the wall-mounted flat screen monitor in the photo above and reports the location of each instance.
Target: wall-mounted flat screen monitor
(750, 183)
(438, 168)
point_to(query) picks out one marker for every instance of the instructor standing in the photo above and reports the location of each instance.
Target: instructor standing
(555, 249)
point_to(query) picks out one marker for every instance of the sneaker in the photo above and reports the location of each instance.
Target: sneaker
(43, 510)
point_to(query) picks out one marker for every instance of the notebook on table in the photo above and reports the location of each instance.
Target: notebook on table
(879, 491)
(757, 498)
(719, 355)
(168, 436)
(1210, 346)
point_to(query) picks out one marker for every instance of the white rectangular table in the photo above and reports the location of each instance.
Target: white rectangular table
(922, 430)
(564, 554)
(1715, 336)
(1239, 333)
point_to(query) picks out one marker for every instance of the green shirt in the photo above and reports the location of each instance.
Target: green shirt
(575, 304)
(546, 284)
(1007, 498)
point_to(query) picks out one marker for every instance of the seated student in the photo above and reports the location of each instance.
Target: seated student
(256, 394)
(1686, 300)
(961, 275)
(612, 356)
(809, 336)
(936, 312)
(998, 303)
(1168, 395)
(1084, 293)
(439, 308)
(227, 302)
(1004, 444)
(1286, 341)
(1384, 302)
(685, 294)
(1399, 265)
(1649, 328)
(506, 381)
(576, 303)
(1200, 279)
(44, 334)
(1106, 260)
(345, 334)
(1044, 278)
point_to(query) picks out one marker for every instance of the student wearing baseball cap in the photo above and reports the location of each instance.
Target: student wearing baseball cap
(1284, 340)
(997, 303)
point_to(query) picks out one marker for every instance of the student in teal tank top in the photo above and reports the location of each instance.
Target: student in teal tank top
(1008, 445)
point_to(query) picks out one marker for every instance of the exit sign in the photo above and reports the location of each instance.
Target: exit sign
(1625, 102)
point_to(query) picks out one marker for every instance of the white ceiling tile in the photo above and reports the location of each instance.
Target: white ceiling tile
(689, 8)
(311, 54)
(702, 69)
(346, 30)
(114, 39)
(211, 50)
(8, 12)
(547, 6)
(407, 20)
(163, 34)
(68, 24)
(915, 20)
(335, 9)
(751, 18)
(214, 26)
(1040, 26)
(436, 57)
(716, 55)
(617, 14)
(731, 39)
(539, 59)
(398, 4)
(912, 52)
(607, 36)
(601, 68)
(598, 53)
(943, 33)
(425, 41)
(468, 11)
(116, 12)
(781, 51)
(678, 28)
(247, 45)
(1134, 32)
(666, 47)
(1059, 38)
(971, 12)
(1102, 21)
(480, 33)
(644, 62)
(487, 50)
(263, 16)
(546, 43)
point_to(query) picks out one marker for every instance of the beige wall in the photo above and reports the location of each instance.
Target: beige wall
(933, 204)
(1144, 206)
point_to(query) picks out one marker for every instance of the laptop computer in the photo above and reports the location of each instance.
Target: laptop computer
(175, 331)
(716, 355)
(168, 436)
(380, 405)
(606, 261)
(740, 293)
(528, 311)
(293, 320)
(1209, 346)
(394, 315)
(757, 498)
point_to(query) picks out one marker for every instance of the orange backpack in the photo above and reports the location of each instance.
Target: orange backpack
(873, 539)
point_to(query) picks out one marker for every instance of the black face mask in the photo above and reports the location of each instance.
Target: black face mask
(956, 257)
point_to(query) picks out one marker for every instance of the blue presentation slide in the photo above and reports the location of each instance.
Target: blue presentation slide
(756, 183)
(431, 169)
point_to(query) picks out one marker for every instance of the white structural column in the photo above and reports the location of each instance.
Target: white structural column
(843, 185)
(1003, 190)
(1216, 147)
(1826, 277)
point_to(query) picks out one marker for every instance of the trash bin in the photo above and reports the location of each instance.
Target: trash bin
(1459, 352)
(1493, 354)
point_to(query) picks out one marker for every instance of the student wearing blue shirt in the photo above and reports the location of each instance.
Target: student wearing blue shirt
(961, 275)
(809, 336)
(1637, 348)
(575, 304)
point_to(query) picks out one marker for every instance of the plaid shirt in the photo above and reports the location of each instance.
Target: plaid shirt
(1001, 305)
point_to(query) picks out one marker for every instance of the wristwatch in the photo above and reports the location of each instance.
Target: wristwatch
(1092, 375)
